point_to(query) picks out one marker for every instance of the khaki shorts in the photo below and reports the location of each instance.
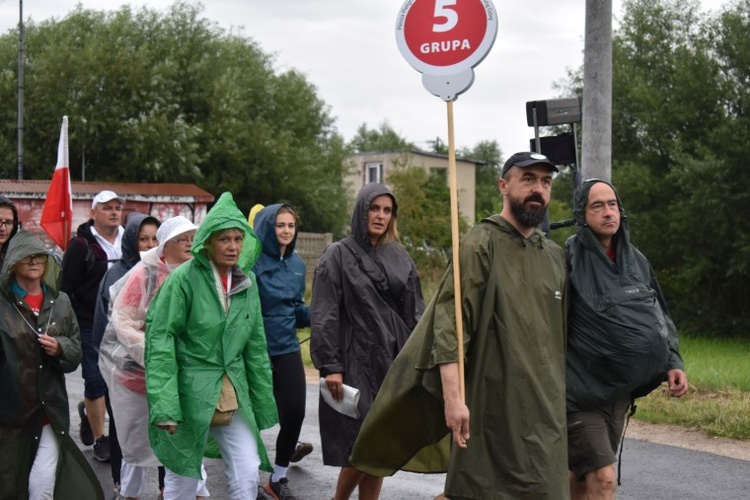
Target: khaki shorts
(594, 436)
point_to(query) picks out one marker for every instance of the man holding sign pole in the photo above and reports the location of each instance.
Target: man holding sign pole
(487, 358)
(509, 438)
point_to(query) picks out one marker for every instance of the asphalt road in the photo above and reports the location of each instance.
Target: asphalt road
(649, 471)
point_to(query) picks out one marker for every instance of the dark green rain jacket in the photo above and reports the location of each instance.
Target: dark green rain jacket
(191, 343)
(621, 339)
(513, 296)
(33, 383)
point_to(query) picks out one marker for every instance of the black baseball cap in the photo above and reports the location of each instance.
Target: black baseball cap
(527, 158)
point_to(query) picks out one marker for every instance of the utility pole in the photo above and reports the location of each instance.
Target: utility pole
(596, 142)
(20, 89)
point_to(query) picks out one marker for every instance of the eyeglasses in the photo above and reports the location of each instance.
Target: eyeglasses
(35, 259)
(7, 223)
(184, 239)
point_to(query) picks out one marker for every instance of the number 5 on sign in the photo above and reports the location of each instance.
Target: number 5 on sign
(450, 15)
(444, 40)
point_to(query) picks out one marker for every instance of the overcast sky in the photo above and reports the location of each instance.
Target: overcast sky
(347, 49)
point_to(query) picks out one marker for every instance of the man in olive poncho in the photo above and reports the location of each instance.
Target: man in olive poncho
(514, 308)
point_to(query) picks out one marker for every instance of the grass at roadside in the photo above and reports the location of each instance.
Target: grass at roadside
(719, 398)
(718, 413)
(717, 364)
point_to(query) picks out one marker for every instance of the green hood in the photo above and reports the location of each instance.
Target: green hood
(226, 215)
(21, 246)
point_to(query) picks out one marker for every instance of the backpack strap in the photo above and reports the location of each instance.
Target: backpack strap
(631, 411)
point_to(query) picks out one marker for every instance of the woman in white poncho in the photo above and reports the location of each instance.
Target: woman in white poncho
(122, 349)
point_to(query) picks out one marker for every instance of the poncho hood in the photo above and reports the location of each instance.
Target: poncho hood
(264, 226)
(624, 249)
(579, 213)
(21, 246)
(226, 215)
(130, 253)
(361, 206)
(621, 340)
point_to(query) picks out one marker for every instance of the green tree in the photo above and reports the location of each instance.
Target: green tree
(487, 174)
(681, 125)
(171, 97)
(424, 215)
(384, 138)
(438, 146)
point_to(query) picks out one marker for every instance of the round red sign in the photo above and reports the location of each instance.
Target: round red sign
(446, 34)
(440, 37)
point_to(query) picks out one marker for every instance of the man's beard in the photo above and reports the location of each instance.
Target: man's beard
(528, 216)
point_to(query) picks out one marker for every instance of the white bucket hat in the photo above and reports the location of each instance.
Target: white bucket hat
(172, 228)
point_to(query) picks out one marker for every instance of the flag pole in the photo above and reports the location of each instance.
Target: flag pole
(455, 239)
(57, 212)
(21, 61)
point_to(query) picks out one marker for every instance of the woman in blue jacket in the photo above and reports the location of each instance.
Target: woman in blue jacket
(281, 284)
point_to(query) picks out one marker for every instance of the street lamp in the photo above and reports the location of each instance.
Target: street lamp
(561, 149)
(555, 112)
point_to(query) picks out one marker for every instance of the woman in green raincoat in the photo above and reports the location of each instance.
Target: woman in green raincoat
(39, 344)
(207, 367)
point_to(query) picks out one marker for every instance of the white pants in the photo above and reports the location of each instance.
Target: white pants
(241, 462)
(42, 476)
(133, 481)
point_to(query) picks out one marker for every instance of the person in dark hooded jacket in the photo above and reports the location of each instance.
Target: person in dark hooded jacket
(622, 342)
(281, 285)
(139, 236)
(97, 245)
(366, 300)
(39, 344)
(8, 225)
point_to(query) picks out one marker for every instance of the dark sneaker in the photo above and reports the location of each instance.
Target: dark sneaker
(280, 490)
(87, 436)
(301, 451)
(101, 449)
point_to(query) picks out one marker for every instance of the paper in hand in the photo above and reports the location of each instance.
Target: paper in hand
(348, 405)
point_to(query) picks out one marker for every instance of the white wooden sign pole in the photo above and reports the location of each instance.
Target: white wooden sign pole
(444, 40)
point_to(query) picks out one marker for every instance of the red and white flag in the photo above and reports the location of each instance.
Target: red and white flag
(57, 213)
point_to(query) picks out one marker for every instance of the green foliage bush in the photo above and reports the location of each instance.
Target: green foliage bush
(424, 216)
(170, 97)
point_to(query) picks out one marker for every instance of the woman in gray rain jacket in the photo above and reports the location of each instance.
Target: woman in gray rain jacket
(39, 343)
(366, 300)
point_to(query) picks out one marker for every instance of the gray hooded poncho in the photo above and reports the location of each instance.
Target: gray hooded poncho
(621, 340)
(358, 330)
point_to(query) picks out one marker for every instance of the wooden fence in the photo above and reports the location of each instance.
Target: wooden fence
(310, 246)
